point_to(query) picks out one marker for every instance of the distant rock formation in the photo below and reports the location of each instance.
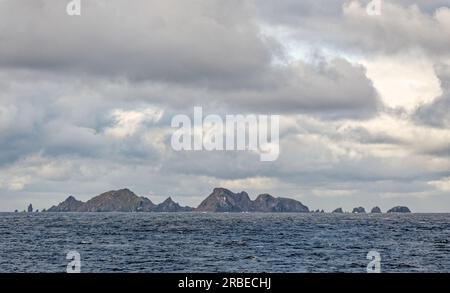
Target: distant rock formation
(375, 210)
(123, 200)
(220, 200)
(338, 211)
(223, 200)
(69, 205)
(16, 211)
(268, 203)
(30, 208)
(169, 206)
(399, 209)
(359, 210)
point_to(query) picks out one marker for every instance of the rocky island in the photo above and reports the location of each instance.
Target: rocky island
(359, 210)
(223, 200)
(220, 200)
(399, 209)
(338, 211)
(375, 210)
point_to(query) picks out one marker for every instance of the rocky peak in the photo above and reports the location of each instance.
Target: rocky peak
(170, 206)
(265, 197)
(71, 204)
(223, 200)
(123, 200)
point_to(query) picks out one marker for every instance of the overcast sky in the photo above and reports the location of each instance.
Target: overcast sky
(86, 101)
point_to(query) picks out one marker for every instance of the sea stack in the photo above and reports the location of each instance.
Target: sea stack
(359, 210)
(338, 211)
(399, 209)
(375, 210)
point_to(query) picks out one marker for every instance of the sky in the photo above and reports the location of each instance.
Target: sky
(86, 101)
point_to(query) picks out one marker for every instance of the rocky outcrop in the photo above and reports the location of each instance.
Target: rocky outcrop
(268, 203)
(375, 210)
(123, 200)
(338, 211)
(69, 205)
(169, 206)
(30, 208)
(399, 209)
(223, 200)
(359, 210)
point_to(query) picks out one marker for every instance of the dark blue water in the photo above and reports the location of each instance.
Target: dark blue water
(191, 242)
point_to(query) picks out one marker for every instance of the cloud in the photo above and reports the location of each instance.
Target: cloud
(335, 89)
(402, 26)
(128, 122)
(86, 102)
(443, 184)
(436, 113)
(174, 41)
(405, 80)
(212, 50)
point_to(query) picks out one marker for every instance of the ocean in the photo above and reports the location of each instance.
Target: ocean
(213, 242)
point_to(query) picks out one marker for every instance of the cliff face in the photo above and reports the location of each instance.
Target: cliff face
(223, 200)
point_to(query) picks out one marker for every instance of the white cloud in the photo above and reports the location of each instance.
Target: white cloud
(443, 184)
(254, 183)
(404, 80)
(127, 122)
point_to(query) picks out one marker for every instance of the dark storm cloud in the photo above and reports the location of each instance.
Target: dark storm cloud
(335, 89)
(171, 40)
(212, 49)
